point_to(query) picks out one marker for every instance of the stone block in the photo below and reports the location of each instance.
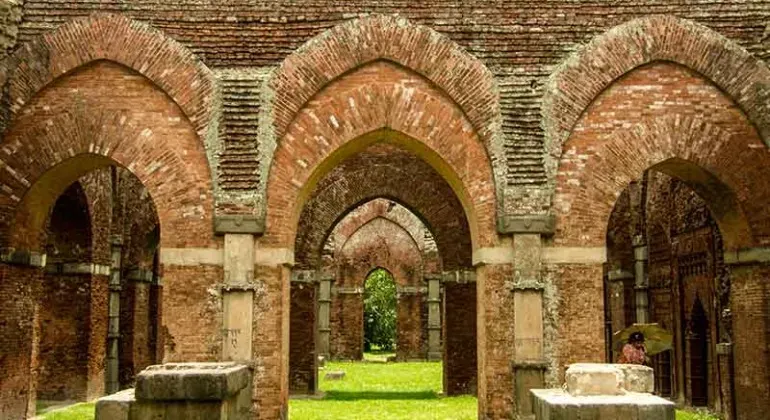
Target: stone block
(594, 379)
(608, 379)
(191, 381)
(556, 404)
(116, 406)
(335, 375)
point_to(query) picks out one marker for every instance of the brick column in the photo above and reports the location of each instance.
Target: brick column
(460, 332)
(271, 332)
(750, 307)
(303, 363)
(434, 316)
(113, 328)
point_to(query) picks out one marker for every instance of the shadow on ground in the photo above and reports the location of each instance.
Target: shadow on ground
(380, 395)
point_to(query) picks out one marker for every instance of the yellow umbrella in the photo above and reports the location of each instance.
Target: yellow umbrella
(656, 339)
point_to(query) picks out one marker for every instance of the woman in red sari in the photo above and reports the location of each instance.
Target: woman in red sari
(633, 352)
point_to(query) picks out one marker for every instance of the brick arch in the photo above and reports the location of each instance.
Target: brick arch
(159, 58)
(381, 243)
(378, 103)
(382, 171)
(57, 139)
(70, 223)
(378, 207)
(583, 76)
(353, 44)
(715, 163)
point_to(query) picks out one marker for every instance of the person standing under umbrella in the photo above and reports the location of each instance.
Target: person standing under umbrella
(634, 351)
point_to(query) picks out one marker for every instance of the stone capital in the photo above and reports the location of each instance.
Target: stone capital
(238, 223)
(541, 224)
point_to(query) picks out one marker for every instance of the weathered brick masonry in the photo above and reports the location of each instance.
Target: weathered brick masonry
(510, 130)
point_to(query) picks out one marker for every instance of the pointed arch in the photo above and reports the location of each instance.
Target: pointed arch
(138, 46)
(462, 78)
(575, 84)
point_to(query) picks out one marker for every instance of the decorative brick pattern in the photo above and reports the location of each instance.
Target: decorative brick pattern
(584, 76)
(701, 138)
(127, 129)
(115, 38)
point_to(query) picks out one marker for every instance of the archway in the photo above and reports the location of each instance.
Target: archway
(64, 132)
(380, 317)
(714, 151)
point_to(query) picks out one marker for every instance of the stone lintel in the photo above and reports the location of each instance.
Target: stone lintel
(342, 290)
(531, 364)
(411, 290)
(192, 256)
(540, 224)
(617, 275)
(747, 256)
(239, 223)
(459, 276)
(191, 381)
(238, 287)
(432, 276)
(493, 255)
(273, 257)
(140, 275)
(22, 257)
(303, 276)
(574, 255)
(78, 268)
(535, 285)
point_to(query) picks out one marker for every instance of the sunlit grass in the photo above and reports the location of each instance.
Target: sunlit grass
(384, 391)
(82, 411)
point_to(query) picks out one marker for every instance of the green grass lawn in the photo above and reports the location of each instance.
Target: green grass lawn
(384, 391)
(371, 390)
(82, 411)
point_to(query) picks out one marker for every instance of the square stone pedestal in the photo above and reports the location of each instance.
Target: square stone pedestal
(190, 391)
(557, 404)
(596, 391)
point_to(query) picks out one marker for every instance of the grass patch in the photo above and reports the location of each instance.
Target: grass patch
(82, 411)
(384, 391)
(695, 414)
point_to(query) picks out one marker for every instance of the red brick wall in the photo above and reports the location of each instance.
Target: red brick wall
(459, 319)
(302, 354)
(192, 316)
(18, 292)
(749, 300)
(64, 337)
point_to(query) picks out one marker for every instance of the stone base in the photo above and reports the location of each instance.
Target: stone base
(556, 404)
(184, 391)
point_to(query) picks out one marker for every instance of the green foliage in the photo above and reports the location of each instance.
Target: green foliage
(379, 311)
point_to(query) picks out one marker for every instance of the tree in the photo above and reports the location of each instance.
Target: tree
(380, 311)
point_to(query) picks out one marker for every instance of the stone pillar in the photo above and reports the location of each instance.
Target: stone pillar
(641, 283)
(324, 310)
(113, 329)
(434, 316)
(529, 363)
(238, 297)
(750, 307)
